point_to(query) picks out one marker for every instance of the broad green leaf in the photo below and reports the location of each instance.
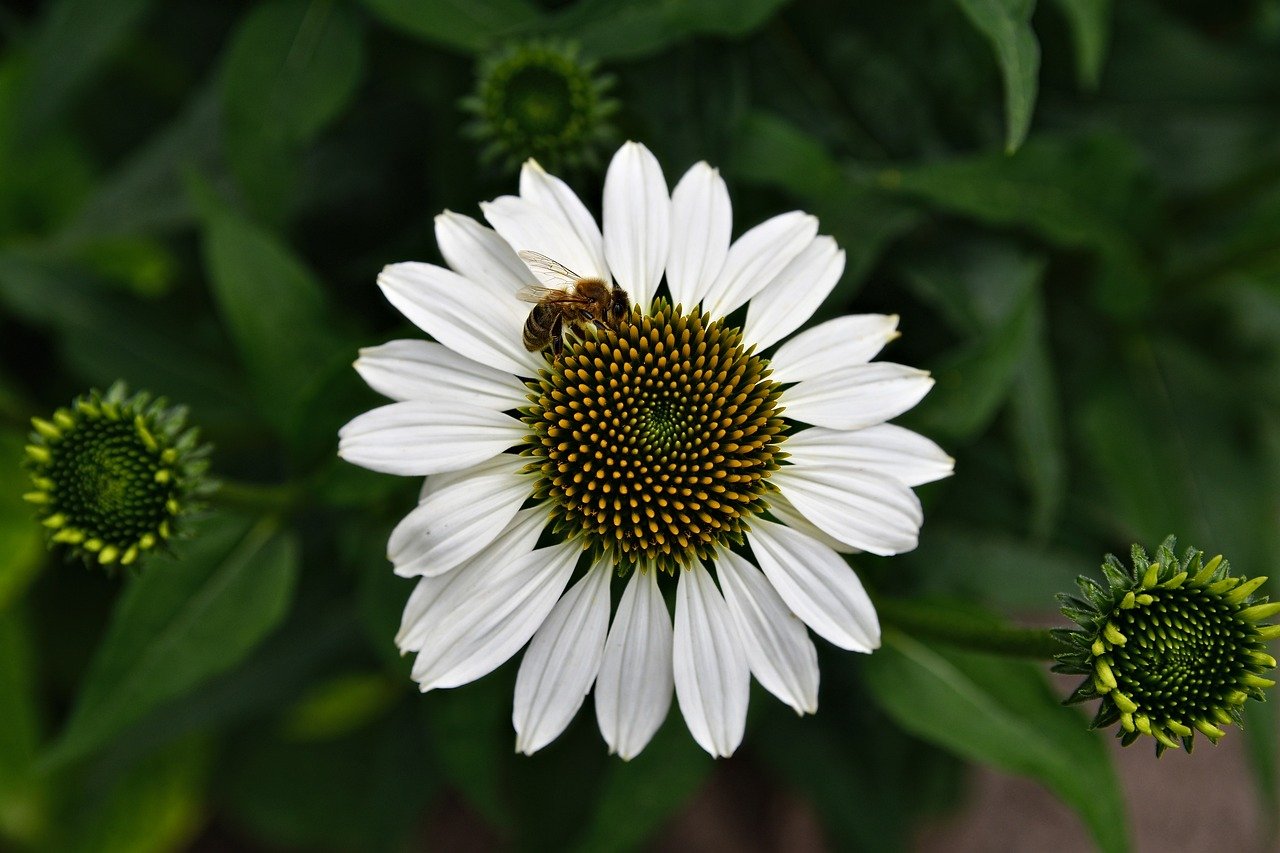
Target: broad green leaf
(363, 791)
(466, 25)
(138, 341)
(146, 194)
(863, 221)
(74, 39)
(637, 796)
(1037, 427)
(274, 310)
(774, 152)
(157, 806)
(1082, 193)
(979, 286)
(291, 68)
(22, 548)
(973, 383)
(1006, 24)
(338, 706)
(22, 792)
(180, 622)
(1004, 570)
(1090, 22)
(1000, 712)
(625, 29)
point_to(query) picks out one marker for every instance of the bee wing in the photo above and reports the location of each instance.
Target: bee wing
(540, 292)
(549, 272)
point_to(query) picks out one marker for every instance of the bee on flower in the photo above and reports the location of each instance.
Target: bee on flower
(675, 446)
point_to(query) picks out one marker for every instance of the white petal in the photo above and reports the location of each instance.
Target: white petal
(527, 227)
(783, 510)
(422, 370)
(435, 599)
(479, 253)
(712, 677)
(778, 647)
(463, 512)
(701, 225)
(785, 303)
(554, 196)
(757, 257)
(481, 320)
(499, 616)
(855, 397)
(863, 509)
(884, 449)
(637, 221)
(817, 585)
(417, 437)
(633, 689)
(561, 662)
(831, 346)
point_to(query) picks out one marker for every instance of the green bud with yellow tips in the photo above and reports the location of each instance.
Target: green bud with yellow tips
(112, 472)
(1169, 646)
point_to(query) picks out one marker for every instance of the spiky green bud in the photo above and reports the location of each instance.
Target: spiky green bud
(542, 100)
(1169, 646)
(113, 476)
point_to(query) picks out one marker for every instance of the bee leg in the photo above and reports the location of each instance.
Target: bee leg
(557, 338)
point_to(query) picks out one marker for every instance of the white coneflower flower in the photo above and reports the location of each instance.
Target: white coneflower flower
(661, 443)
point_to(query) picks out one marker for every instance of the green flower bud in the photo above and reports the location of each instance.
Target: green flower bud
(113, 476)
(1170, 647)
(541, 100)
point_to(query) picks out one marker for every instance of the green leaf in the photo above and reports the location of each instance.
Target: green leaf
(180, 622)
(1005, 571)
(21, 539)
(626, 29)
(155, 807)
(774, 152)
(74, 39)
(1006, 24)
(1081, 193)
(1036, 424)
(340, 705)
(466, 25)
(146, 194)
(1090, 22)
(863, 221)
(1000, 712)
(22, 794)
(291, 68)
(363, 791)
(639, 795)
(274, 310)
(974, 382)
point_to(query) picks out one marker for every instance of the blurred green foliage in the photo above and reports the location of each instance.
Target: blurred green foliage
(1073, 205)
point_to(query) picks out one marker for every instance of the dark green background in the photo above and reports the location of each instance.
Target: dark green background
(1075, 208)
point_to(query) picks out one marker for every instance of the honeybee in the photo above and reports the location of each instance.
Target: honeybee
(576, 301)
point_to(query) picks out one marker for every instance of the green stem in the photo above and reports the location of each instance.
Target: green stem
(927, 621)
(257, 497)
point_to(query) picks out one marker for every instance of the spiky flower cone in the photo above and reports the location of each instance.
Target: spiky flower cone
(543, 100)
(1170, 647)
(637, 476)
(114, 475)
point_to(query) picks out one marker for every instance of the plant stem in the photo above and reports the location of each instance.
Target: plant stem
(928, 621)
